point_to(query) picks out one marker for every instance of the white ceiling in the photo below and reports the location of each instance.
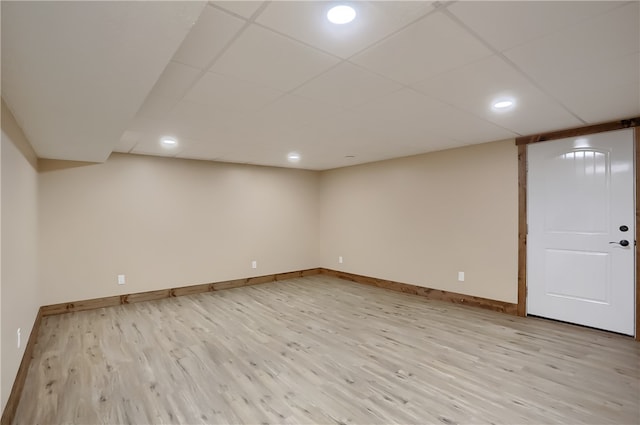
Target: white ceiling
(75, 73)
(252, 81)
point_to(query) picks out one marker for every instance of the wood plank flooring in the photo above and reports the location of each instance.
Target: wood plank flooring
(326, 351)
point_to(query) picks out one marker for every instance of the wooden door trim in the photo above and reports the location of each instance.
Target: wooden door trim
(522, 143)
(522, 230)
(580, 131)
(635, 168)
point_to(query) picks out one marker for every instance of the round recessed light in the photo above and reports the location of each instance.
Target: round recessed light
(168, 142)
(341, 14)
(293, 157)
(503, 104)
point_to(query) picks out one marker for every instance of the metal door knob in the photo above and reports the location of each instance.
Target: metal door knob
(623, 242)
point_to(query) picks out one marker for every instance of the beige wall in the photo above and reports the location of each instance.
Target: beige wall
(19, 286)
(69, 230)
(421, 219)
(169, 222)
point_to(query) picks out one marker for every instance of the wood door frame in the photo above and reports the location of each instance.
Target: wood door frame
(522, 143)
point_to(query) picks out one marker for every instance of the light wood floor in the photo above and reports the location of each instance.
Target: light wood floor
(322, 350)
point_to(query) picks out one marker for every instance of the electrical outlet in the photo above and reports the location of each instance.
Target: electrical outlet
(460, 276)
(254, 264)
(18, 335)
(121, 279)
(340, 259)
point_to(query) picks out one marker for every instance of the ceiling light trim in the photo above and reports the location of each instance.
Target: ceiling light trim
(294, 157)
(341, 14)
(169, 142)
(503, 104)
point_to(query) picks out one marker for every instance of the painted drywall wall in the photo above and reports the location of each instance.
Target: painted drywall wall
(19, 246)
(168, 222)
(3, 401)
(422, 219)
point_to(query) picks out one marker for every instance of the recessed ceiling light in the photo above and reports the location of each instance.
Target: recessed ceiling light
(168, 142)
(341, 14)
(293, 157)
(503, 104)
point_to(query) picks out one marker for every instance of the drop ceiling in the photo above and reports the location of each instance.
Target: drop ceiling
(249, 82)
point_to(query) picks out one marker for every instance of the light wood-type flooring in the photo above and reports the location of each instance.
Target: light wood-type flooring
(324, 351)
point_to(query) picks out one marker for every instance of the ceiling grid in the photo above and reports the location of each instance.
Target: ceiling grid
(251, 81)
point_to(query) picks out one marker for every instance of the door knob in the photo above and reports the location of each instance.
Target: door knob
(623, 242)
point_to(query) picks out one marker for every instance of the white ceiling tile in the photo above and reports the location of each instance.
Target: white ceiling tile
(616, 33)
(604, 90)
(254, 154)
(284, 88)
(175, 80)
(372, 132)
(201, 123)
(230, 94)
(144, 125)
(128, 141)
(475, 87)
(345, 131)
(596, 53)
(387, 150)
(291, 109)
(264, 57)
(224, 135)
(187, 121)
(150, 144)
(193, 121)
(378, 136)
(421, 114)
(306, 21)
(612, 103)
(75, 73)
(203, 151)
(168, 90)
(131, 136)
(321, 158)
(211, 33)
(346, 86)
(410, 134)
(155, 107)
(506, 24)
(244, 8)
(382, 133)
(275, 133)
(431, 46)
(485, 79)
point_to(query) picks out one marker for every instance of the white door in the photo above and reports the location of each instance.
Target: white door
(581, 230)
